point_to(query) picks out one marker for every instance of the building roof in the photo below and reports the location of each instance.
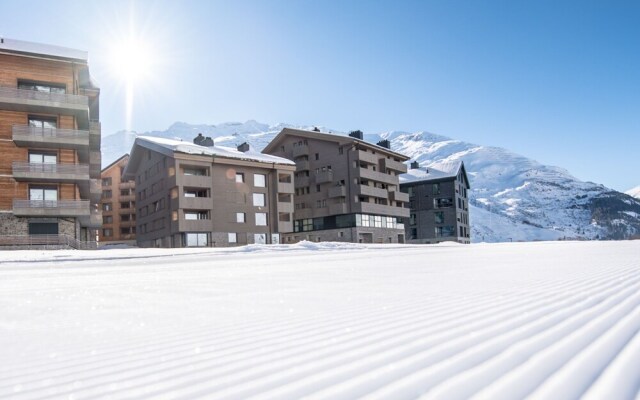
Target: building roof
(115, 162)
(435, 172)
(39, 49)
(341, 139)
(171, 146)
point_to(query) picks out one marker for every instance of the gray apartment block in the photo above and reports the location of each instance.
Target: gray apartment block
(189, 195)
(439, 204)
(345, 188)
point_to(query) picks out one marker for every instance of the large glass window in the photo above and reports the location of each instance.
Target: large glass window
(444, 202)
(43, 122)
(196, 239)
(42, 87)
(240, 218)
(259, 180)
(445, 231)
(43, 158)
(439, 217)
(45, 194)
(233, 237)
(261, 219)
(436, 188)
(196, 215)
(259, 199)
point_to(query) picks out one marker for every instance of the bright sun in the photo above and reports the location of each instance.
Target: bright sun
(132, 60)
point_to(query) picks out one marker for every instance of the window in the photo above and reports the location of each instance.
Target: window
(124, 192)
(439, 217)
(107, 219)
(106, 181)
(317, 156)
(125, 231)
(436, 188)
(461, 232)
(317, 188)
(233, 237)
(194, 171)
(196, 239)
(340, 150)
(42, 87)
(261, 219)
(107, 232)
(125, 205)
(43, 228)
(259, 199)
(44, 194)
(125, 218)
(459, 202)
(43, 158)
(195, 193)
(42, 122)
(196, 215)
(241, 218)
(107, 207)
(239, 177)
(445, 202)
(445, 231)
(412, 219)
(106, 194)
(259, 180)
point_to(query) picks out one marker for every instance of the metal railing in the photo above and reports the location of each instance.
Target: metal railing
(50, 168)
(46, 241)
(25, 94)
(59, 204)
(26, 131)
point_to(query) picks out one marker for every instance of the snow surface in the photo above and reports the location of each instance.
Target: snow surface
(40, 48)
(635, 192)
(437, 171)
(326, 320)
(219, 151)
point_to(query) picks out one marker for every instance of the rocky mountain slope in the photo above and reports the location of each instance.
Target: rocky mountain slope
(512, 197)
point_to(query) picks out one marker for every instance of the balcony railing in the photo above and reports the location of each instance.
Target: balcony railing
(60, 208)
(50, 171)
(365, 190)
(337, 191)
(49, 137)
(24, 94)
(324, 176)
(300, 151)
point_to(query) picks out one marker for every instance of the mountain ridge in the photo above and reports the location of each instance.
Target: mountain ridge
(512, 197)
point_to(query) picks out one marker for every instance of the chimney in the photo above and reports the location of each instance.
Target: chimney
(415, 165)
(244, 147)
(315, 129)
(208, 142)
(385, 143)
(198, 139)
(357, 134)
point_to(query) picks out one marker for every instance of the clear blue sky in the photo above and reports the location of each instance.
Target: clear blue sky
(556, 81)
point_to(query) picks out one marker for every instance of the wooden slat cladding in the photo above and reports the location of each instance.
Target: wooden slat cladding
(9, 190)
(13, 68)
(8, 119)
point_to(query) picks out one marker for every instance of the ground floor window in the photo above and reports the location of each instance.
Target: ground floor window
(196, 239)
(43, 228)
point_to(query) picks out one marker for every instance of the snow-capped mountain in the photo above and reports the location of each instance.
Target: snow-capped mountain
(512, 197)
(635, 192)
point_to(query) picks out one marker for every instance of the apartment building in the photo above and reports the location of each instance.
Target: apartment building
(438, 202)
(49, 146)
(345, 188)
(118, 204)
(190, 195)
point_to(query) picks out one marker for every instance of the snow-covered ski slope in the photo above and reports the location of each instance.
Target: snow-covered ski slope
(549, 320)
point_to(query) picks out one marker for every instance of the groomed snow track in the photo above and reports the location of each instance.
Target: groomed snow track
(501, 321)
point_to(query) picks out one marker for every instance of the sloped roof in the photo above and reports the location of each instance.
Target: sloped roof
(179, 146)
(435, 172)
(342, 139)
(39, 49)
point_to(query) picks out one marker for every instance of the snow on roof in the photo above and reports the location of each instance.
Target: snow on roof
(42, 49)
(218, 151)
(442, 170)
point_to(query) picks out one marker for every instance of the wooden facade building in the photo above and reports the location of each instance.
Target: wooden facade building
(49, 146)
